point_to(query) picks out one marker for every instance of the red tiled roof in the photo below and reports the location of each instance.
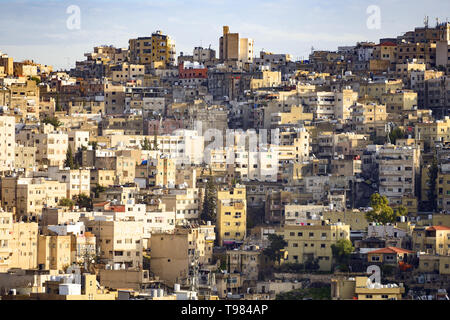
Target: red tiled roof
(101, 204)
(436, 228)
(391, 250)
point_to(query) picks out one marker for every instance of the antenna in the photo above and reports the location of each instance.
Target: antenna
(425, 21)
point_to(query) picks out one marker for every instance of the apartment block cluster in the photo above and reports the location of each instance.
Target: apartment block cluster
(139, 174)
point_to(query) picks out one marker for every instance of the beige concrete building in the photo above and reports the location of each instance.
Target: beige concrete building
(173, 256)
(54, 252)
(78, 181)
(25, 157)
(28, 196)
(18, 243)
(127, 72)
(118, 242)
(124, 167)
(309, 243)
(433, 132)
(360, 288)
(7, 143)
(432, 240)
(232, 47)
(398, 172)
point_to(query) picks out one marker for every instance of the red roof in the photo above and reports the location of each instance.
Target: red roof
(436, 228)
(387, 44)
(391, 250)
(101, 204)
(118, 208)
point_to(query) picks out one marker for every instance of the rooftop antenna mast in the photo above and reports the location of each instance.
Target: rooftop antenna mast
(425, 22)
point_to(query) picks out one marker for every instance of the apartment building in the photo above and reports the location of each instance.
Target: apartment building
(434, 132)
(18, 243)
(124, 168)
(375, 89)
(400, 100)
(232, 47)
(231, 215)
(361, 288)
(245, 261)
(77, 180)
(295, 214)
(160, 172)
(127, 72)
(398, 172)
(25, 157)
(7, 63)
(118, 242)
(185, 202)
(78, 139)
(51, 148)
(309, 243)
(6, 223)
(156, 50)
(443, 187)
(203, 55)
(54, 252)
(432, 240)
(7, 143)
(176, 256)
(30, 195)
(24, 97)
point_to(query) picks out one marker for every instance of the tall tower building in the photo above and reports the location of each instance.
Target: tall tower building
(231, 47)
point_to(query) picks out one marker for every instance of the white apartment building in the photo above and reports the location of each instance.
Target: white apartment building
(398, 168)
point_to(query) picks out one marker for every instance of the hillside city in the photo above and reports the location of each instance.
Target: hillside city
(143, 174)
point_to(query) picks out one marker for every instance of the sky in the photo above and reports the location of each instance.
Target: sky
(37, 29)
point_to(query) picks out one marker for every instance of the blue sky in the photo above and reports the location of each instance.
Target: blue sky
(36, 29)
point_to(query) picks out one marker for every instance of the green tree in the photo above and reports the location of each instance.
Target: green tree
(209, 203)
(341, 251)
(58, 107)
(84, 201)
(397, 133)
(53, 121)
(155, 142)
(433, 171)
(36, 79)
(146, 145)
(69, 162)
(275, 250)
(97, 190)
(381, 211)
(400, 211)
(66, 202)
